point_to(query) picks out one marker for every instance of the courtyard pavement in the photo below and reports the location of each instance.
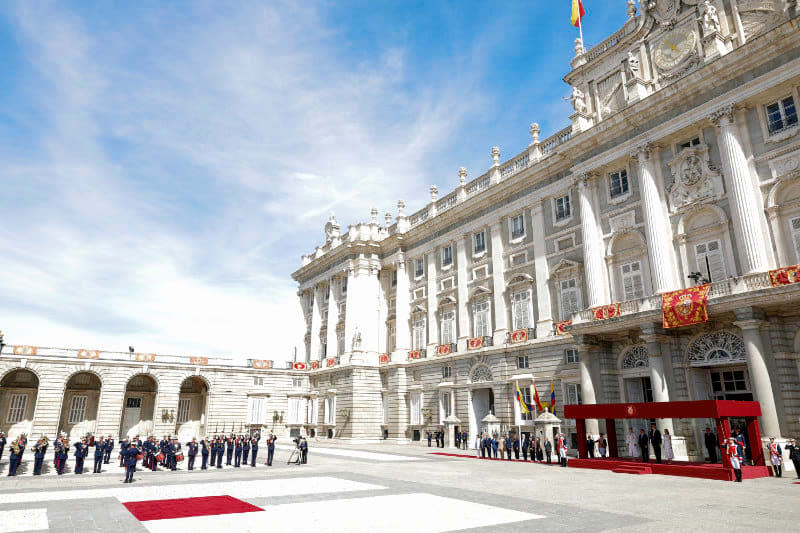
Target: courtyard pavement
(386, 487)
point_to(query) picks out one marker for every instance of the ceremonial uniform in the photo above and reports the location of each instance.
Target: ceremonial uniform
(17, 449)
(204, 451)
(237, 453)
(99, 454)
(775, 457)
(109, 447)
(191, 448)
(562, 451)
(61, 457)
(230, 445)
(245, 450)
(39, 449)
(2, 444)
(220, 451)
(80, 453)
(129, 457)
(733, 454)
(270, 449)
(254, 448)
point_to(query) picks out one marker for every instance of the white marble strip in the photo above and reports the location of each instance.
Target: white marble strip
(23, 520)
(356, 454)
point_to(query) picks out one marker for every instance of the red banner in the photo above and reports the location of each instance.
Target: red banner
(314, 365)
(413, 355)
(605, 311)
(785, 276)
(520, 335)
(384, 359)
(29, 350)
(475, 343)
(443, 349)
(299, 366)
(685, 307)
(331, 361)
(561, 327)
(261, 363)
(198, 361)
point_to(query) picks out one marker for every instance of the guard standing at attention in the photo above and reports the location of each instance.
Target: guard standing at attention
(237, 452)
(204, 451)
(39, 450)
(270, 448)
(81, 448)
(109, 447)
(229, 449)
(129, 456)
(191, 452)
(254, 445)
(99, 454)
(220, 451)
(245, 449)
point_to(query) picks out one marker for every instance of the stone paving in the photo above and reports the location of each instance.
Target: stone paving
(385, 487)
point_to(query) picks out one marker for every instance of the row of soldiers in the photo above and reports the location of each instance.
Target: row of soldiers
(167, 452)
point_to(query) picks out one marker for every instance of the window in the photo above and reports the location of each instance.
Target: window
(297, 383)
(521, 309)
(709, 260)
(447, 284)
(565, 244)
(391, 338)
(419, 293)
(256, 411)
(523, 362)
(394, 278)
(795, 231)
(327, 295)
(479, 242)
(618, 183)
(448, 327)
(258, 381)
(340, 342)
(732, 381)
(419, 334)
(323, 347)
(330, 410)
(562, 208)
(518, 227)
(419, 267)
(571, 355)
(344, 286)
(313, 411)
(480, 272)
(444, 408)
(447, 372)
(77, 409)
(570, 298)
(689, 144)
(519, 259)
(526, 396)
(416, 409)
(385, 408)
(574, 394)
(480, 323)
(133, 403)
(16, 408)
(632, 285)
(183, 410)
(447, 255)
(781, 115)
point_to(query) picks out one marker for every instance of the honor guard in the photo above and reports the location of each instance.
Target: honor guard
(129, 457)
(109, 447)
(124, 445)
(99, 454)
(237, 446)
(152, 462)
(81, 449)
(254, 448)
(61, 447)
(2, 443)
(212, 448)
(270, 448)
(220, 451)
(17, 449)
(204, 452)
(736, 461)
(39, 449)
(231, 444)
(191, 451)
(245, 449)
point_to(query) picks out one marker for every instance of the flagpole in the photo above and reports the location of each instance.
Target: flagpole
(580, 26)
(519, 426)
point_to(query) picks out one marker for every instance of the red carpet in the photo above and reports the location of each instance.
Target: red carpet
(188, 507)
(674, 468)
(487, 458)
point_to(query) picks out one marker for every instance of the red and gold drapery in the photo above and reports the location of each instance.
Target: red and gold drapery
(330, 361)
(443, 349)
(413, 354)
(685, 307)
(384, 359)
(314, 365)
(785, 276)
(561, 327)
(475, 343)
(520, 335)
(300, 366)
(605, 311)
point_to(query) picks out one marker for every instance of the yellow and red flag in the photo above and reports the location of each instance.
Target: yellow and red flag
(577, 13)
(536, 399)
(785, 276)
(523, 405)
(685, 307)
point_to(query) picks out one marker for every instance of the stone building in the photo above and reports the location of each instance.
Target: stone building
(46, 391)
(680, 166)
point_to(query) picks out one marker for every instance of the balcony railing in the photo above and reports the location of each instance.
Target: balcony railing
(446, 349)
(519, 335)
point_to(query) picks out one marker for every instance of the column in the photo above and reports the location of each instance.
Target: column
(654, 337)
(784, 257)
(544, 315)
(402, 311)
(398, 408)
(587, 349)
(593, 252)
(370, 309)
(658, 230)
(316, 322)
(350, 309)
(333, 318)
(750, 321)
(463, 295)
(433, 303)
(498, 285)
(745, 208)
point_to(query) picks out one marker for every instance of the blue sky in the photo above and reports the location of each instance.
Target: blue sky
(165, 164)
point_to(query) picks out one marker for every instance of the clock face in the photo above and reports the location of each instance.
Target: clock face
(674, 48)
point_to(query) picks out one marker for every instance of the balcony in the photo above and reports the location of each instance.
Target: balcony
(476, 343)
(519, 335)
(417, 354)
(446, 349)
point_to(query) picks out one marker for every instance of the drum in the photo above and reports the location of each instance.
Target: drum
(160, 457)
(179, 457)
(139, 457)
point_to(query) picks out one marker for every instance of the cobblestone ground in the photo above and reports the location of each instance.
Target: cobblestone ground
(386, 487)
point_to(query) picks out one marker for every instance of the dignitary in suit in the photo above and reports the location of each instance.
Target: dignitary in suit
(191, 451)
(655, 440)
(109, 447)
(39, 449)
(548, 449)
(711, 445)
(590, 446)
(129, 457)
(525, 445)
(81, 449)
(99, 454)
(794, 455)
(15, 458)
(644, 446)
(515, 447)
(205, 450)
(254, 448)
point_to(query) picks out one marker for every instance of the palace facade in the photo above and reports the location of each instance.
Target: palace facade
(681, 166)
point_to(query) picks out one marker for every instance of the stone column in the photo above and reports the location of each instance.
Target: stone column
(333, 318)
(370, 294)
(398, 408)
(402, 312)
(433, 304)
(784, 252)
(654, 337)
(593, 252)
(750, 321)
(544, 315)
(656, 222)
(587, 351)
(745, 208)
(110, 409)
(498, 285)
(316, 323)
(463, 294)
(350, 308)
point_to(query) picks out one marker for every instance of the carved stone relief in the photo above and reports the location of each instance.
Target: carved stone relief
(695, 180)
(622, 222)
(611, 95)
(785, 164)
(758, 16)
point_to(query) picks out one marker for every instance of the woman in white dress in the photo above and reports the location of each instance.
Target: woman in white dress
(633, 447)
(669, 455)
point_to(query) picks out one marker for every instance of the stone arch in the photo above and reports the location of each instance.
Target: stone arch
(141, 393)
(715, 348)
(19, 393)
(623, 241)
(80, 403)
(701, 218)
(634, 357)
(481, 373)
(784, 190)
(192, 407)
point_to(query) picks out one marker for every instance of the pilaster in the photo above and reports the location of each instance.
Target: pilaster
(544, 315)
(498, 285)
(402, 311)
(463, 294)
(316, 323)
(333, 318)
(433, 303)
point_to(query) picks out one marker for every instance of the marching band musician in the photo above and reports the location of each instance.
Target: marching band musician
(108, 448)
(2, 443)
(192, 452)
(174, 450)
(254, 445)
(39, 449)
(152, 462)
(99, 454)
(231, 444)
(81, 449)
(129, 456)
(245, 449)
(124, 445)
(237, 444)
(736, 461)
(204, 451)
(61, 446)
(17, 449)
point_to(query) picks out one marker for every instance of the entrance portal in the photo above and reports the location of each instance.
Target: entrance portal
(482, 404)
(140, 402)
(18, 392)
(192, 409)
(79, 408)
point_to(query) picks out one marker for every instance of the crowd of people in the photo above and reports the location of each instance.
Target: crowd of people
(504, 447)
(232, 450)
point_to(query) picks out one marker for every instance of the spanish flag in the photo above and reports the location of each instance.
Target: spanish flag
(536, 399)
(577, 13)
(523, 407)
(552, 398)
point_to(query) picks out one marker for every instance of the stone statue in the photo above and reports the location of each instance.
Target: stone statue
(710, 18)
(631, 8)
(356, 339)
(579, 49)
(578, 100)
(633, 65)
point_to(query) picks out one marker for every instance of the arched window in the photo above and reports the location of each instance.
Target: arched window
(715, 348)
(636, 357)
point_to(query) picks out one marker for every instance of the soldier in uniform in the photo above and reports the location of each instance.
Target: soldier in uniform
(122, 447)
(254, 445)
(109, 447)
(270, 448)
(81, 448)
(230, 445)
(794, 455)
(61, 455)
(191, 451)
(17, 449)
(204, 451)
(220, 451)
(174, 448)
(736, 461)
(39, 450)
(562, 449)
(99, 454)
(2, 443)
(212, 448)
(237, 452)
(245, 449)
(775, 456)
(129, 456)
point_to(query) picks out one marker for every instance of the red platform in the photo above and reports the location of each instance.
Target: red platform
(673, 468)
